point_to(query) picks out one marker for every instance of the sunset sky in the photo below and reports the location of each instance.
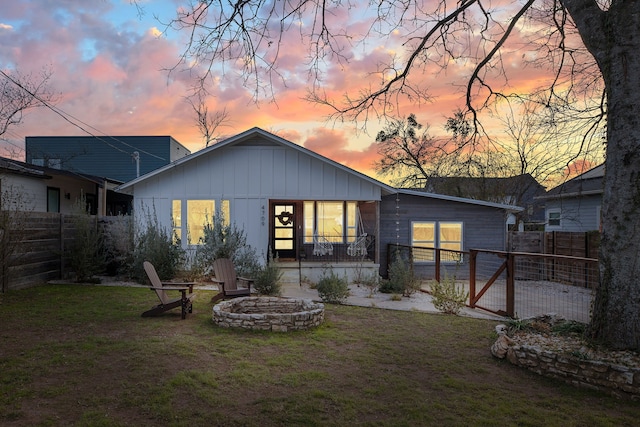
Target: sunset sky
(109, 69)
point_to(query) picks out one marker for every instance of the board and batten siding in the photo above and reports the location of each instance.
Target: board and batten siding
(483, 227)
(577, 214)
(249, 175)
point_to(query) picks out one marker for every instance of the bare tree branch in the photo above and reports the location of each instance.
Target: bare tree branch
(20, 93)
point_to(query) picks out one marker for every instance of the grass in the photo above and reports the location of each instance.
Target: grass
(82, 355)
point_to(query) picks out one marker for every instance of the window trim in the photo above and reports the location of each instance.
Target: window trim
(181, 232)
(557, 226)
(437, 242)
(57, 190)
(349, 230)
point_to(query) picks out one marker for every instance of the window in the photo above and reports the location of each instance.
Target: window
(199, 213)
(553, 218)
(423, 234)
(335, 221)
(176, 219)
(450, 237)
(53, 199)
(54, 163)
(432, 234)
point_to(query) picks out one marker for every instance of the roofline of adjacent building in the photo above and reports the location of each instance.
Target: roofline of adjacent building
(461, 200)
(572, 194)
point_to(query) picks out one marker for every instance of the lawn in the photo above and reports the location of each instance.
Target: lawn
(82, 355)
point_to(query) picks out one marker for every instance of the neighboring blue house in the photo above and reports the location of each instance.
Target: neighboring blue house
(119, 158)
(575, 205)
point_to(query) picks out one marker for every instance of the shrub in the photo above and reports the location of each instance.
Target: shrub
(223, 240)
(267, 277)
(447, 296)
(333, 289)
(194, 269)
(118, 244)
(371, 282)
(401, 279)
(85, 257)
(156, 245)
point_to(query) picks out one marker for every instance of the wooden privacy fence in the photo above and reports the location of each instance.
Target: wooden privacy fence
(584, 245)
(39, 255)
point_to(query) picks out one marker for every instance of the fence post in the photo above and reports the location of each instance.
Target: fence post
(61, 218)
(473, 254)
(438, 257)
(510, 285)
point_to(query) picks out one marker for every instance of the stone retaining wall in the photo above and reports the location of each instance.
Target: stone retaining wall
(618, 380)
(268, 313)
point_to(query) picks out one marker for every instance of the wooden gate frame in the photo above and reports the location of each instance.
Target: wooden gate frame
(508, 265)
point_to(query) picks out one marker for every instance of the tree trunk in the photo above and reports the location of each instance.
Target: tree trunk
(613, 37)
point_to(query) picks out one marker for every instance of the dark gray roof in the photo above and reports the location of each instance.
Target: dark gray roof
(589, 183)
(21, 168)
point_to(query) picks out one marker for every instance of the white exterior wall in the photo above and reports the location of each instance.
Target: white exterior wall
(177, 150)
(32, 191)
(249, 176)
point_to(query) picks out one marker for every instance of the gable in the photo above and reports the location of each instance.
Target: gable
(257, 164)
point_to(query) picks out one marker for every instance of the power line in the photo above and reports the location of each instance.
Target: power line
(65, 116)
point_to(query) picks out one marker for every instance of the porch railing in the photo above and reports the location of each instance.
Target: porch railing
(329, 250)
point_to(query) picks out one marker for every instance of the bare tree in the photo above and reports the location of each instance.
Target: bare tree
(19, 93)
(207, 122)
(589, 48)
(531, 142)
(412, 157)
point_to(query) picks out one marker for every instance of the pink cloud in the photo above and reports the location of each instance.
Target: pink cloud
(334, 144)
(113, 77)
(101, 70)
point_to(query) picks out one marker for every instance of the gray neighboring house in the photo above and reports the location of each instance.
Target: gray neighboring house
(120, 158)
(575, 204)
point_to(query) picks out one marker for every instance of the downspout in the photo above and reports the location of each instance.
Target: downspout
(103, 207)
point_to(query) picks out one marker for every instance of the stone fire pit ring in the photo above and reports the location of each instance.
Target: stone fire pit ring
(268, 313)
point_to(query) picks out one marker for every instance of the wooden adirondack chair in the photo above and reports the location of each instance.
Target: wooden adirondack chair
(227, 281)
(185, 302)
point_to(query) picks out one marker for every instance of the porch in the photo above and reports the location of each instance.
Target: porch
(295, 273)
(354, 260)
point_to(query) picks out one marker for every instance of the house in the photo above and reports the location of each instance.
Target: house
(520, 190)
(575, 204)
(43, 189)
(119, 158)
(308, 209)
(429, 220)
